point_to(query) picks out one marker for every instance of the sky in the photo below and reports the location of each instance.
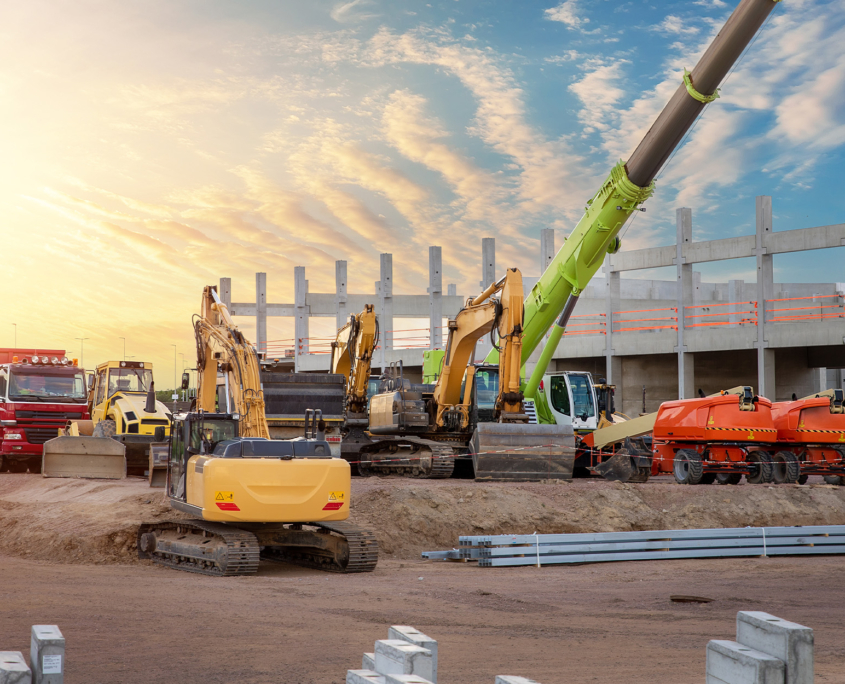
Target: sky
(151, 147)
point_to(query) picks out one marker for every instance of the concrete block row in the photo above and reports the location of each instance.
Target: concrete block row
(767, 650)
(47, 659)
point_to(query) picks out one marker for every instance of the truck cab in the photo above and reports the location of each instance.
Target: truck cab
(568, 398)
(40, 390)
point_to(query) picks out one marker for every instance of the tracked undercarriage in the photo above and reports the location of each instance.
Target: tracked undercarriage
(406, 456)
(224, 550)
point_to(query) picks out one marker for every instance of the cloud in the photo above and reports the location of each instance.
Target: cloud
(600, 94)
(351, 11)
(567, 13)
(674, 25)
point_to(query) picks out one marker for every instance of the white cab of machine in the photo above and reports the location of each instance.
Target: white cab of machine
(571, 399)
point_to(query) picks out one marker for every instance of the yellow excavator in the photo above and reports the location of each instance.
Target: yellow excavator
(475, 412)
(251, 497)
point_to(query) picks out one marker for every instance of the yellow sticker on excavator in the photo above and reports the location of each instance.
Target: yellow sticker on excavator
(224, 496)
(336, 496)
(750, 435)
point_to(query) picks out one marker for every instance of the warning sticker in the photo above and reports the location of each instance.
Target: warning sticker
(51, 664)
(750, 435)
(336, 496)
(224, 496)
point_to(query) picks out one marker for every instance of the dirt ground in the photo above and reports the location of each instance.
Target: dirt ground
(127, 621)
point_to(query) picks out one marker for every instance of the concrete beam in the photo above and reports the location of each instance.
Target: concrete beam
(13, 668)
(397, 657)
(341, 311)
(731, 663)
(417, 638)
(47, 654)
(686, 297)
(225, 292)
(547, 248)
(261, 312)
(301, 312)
(787, 641)
(385, 292)
(488, 262)
(435, 297)
(765, 290)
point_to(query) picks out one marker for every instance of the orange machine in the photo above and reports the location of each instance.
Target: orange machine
(715, 438)
(811, 437)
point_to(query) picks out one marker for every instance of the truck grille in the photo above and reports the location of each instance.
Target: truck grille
(40, 435)
(48, 415)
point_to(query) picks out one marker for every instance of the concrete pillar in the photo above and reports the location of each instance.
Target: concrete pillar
(735, 289)
(435, 298)
(765, 290)
(697, 295)
(13, 668)
(819, 379)
(394, 656)
(341, 313)
(612, 296)
(547, 248)
(47, 655)
(686, 367)
(728, 661)
(452, 290)
(414, 636)
(300, 311)
(224, 290)
(386, 303)
(787, 641)
(261, 312)
(488, 262)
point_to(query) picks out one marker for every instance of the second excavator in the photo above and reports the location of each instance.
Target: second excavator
(427, 431)
(249, 496)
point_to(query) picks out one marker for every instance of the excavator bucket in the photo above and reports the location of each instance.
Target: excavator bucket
(522, 452)
(84, 457)
(618, 468)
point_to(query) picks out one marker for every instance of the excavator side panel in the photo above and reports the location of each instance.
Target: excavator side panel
(84, 457)
(522, 452)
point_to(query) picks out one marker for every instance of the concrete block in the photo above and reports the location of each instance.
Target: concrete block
(368, 662)
(364, 677)
(731, 663)
(416, 637)
(510, 679)
(47, 655)
(790, 642)
(405, 679)
(13, 668)
(394, 656)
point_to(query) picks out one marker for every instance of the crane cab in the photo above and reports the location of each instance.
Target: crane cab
(569, 398)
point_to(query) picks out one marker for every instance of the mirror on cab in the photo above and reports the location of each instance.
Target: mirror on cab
(186, 380)
(160, 434)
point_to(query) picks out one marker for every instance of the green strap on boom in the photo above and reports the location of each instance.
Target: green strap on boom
(706, 99)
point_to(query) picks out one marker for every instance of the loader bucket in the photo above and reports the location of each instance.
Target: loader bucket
(85, 457)
(522, 452)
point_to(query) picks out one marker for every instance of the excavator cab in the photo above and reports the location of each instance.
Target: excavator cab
(195, 433)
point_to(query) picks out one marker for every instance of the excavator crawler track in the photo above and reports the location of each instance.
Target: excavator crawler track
(360, 555)
(438, 464)
(202, 547)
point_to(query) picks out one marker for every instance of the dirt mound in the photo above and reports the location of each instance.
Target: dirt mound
(409, 517)
(75, 521)
(95, 521)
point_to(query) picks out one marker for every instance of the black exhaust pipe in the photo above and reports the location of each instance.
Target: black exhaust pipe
(151, 399)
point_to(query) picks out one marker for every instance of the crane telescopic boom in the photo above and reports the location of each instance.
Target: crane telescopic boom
(552, 300)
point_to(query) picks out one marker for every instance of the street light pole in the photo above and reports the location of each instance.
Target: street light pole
(174, 367)
(82, 349)
(124, 347)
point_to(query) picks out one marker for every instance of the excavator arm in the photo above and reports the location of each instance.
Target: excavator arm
(221, 345)
(352, 356)
(479, 317)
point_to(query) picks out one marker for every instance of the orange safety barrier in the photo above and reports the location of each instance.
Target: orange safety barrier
(808, 316)
(670, 319)
(750, 319)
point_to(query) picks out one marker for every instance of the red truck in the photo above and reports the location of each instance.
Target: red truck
(40, 390)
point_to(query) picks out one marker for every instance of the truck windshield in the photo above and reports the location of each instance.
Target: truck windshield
(129, 380)
(582, 397)
(47, 384)
(486, 388)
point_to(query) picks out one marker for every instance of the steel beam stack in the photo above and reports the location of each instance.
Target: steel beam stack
(555, 549)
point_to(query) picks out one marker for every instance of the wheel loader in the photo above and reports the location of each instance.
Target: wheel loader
(124, 418)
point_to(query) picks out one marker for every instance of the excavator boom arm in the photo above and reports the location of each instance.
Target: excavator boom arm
(352, 356)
